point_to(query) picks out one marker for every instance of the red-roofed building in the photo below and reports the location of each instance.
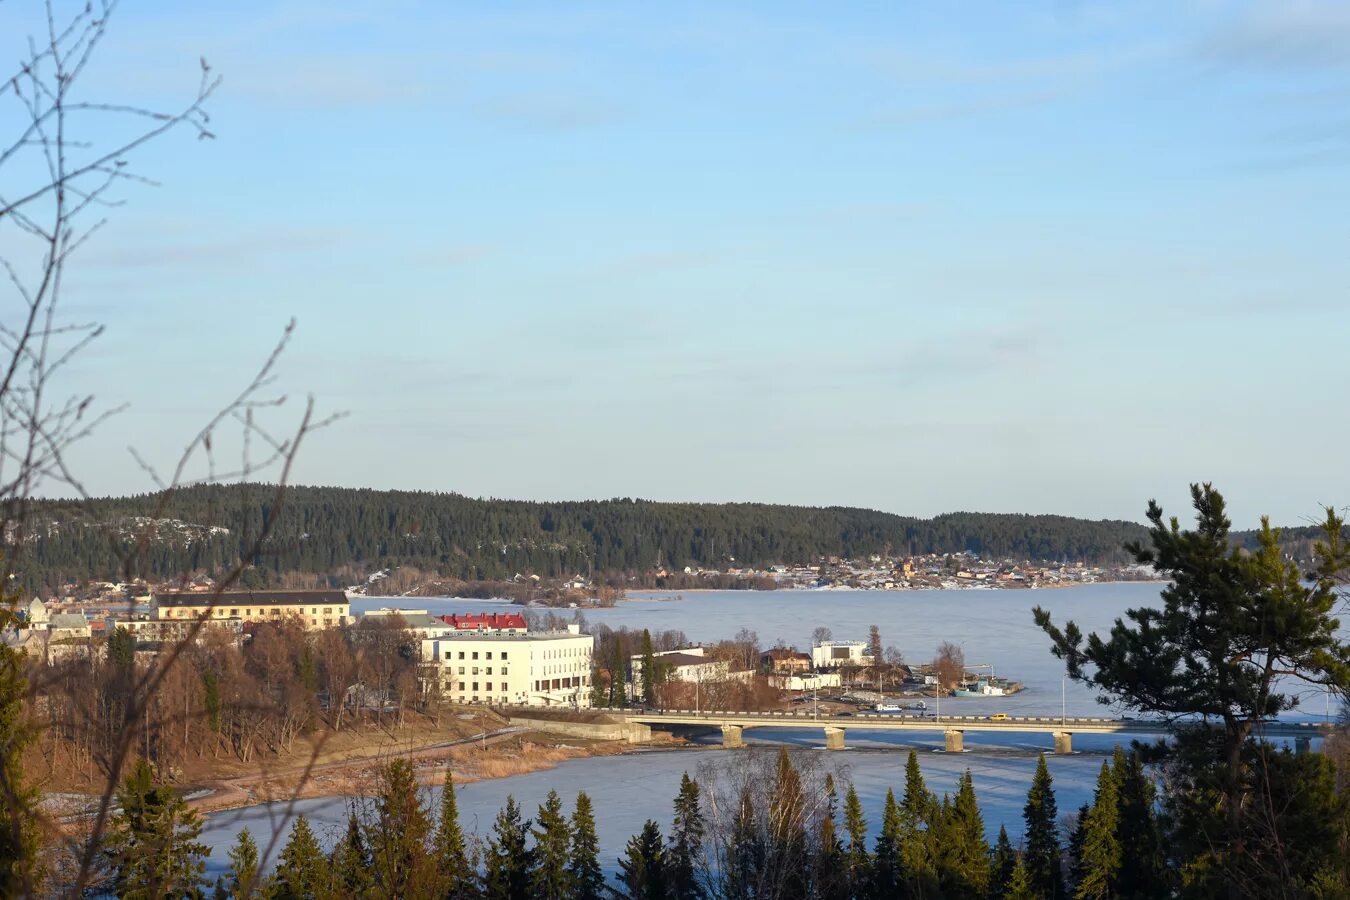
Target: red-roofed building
(501, 623)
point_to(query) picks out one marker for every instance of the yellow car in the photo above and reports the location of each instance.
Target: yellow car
(999, 717)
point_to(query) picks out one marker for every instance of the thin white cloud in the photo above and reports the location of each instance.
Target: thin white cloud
(1284, 35)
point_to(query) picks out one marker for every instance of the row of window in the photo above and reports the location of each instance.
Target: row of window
(248, 613)
(488, 654)
(488, 668)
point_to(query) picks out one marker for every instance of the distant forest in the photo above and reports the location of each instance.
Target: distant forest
(342, 535)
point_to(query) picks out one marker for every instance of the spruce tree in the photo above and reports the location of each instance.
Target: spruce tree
(642, 867)
(787, 859)
(1041, 857)
(1101, 860)
(1020, 886)
(743, 871)
(447, 846)
(648, 669)
(964, 849)
(829, 878)
(1144, 874)
(153, 846)
(918, 808)
(588, 881)
(886, 855)
(241, 879)
(618, 668)
(302, 872)
(552, 842)
(507, 872)
(1002, 865)
(686, 843)
(1075, 849)
(349, 863)
(398, 837)
(859, 862)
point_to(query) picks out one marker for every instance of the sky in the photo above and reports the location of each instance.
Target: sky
(1019, 257)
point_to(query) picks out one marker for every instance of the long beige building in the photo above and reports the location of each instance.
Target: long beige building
(313, 609)
(519, 669)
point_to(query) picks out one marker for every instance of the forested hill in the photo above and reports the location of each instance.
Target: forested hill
(347, 533)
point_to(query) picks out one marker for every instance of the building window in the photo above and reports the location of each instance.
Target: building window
(475, 654)
(487, 686)
(503, 654)
(447, 654)
(489, 654)
(475, 687)
(475, 670)
(503, 670)
(461, 654)
(461, 670)
(328, 610)
(234, 613)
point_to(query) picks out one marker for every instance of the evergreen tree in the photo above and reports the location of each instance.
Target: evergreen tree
(859, 861)
(642, 868)
(1075, 849)
(743, 870)
(588, 881)
(19, 828)
(1236, 625)
(509, 861)
(686, 843)
(398, 838)
(964, 851)
(302, 873)
(552, 843)
(1100, 856)
(618, 667)
(1041, 857)
(1144, 874)
(153, 843)
(448, 848)
(1002, 865)
(1020, 885)
(918, 855)
(349, 863)
(786, 868)
(241, 879)
(829, 876)
(648, 669)
(886, 856)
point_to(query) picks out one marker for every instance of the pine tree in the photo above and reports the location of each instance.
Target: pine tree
(964, 849)
(1075, 849)
(241, 879)
(686, 843)
(398, 838)
(552, 842)
(302, 873)
(349, 863)
(1002, 865)
(829, 877)
(859, 860)
(153, 843)
(1145, 873)
(918, 811)
(509, 861)
(1041, 815)
(1101, 856)
(447, 846)
(618, 667)
(588, 881)
(642, 868)
(886, 855)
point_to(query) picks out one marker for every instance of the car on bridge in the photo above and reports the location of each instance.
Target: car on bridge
(999, 717)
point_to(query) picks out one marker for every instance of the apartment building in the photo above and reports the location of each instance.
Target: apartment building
(313, 609)
(512, 668)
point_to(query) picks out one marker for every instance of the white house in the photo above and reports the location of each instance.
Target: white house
(530, 669)
(834, 654)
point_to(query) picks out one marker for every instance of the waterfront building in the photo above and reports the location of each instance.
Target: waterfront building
(834, 654)
(312, 609)
(512, 668)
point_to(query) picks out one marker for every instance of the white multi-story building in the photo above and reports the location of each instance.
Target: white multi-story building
(833, 654)
(519, 669)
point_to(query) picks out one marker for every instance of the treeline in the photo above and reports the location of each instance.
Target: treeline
(765, 826)
(344, 534)
(217, 698)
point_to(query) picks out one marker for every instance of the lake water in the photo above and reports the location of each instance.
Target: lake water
(993, 626)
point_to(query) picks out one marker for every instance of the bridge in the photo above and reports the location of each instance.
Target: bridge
(954, 728)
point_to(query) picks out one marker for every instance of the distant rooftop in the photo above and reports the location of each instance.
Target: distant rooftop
(256, 598)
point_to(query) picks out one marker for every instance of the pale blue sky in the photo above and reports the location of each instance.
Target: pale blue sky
(1042, 257)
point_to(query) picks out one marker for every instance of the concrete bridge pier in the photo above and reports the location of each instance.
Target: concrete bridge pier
(1302, 744)
(956, 741)
(731, 736)
(834, 738)
(1063, 742)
